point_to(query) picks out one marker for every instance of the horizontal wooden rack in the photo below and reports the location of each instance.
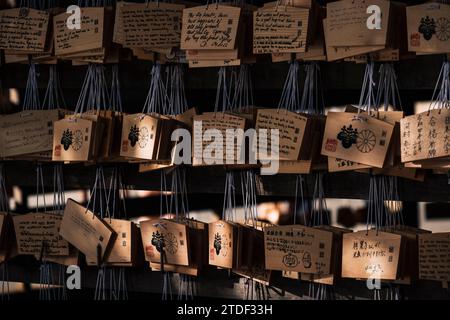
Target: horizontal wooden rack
(211, 180)
(222, 284)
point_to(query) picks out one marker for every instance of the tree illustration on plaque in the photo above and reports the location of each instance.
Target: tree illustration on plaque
(217, 243)
(158, 241)
(138, 136)
(348, 136)
(427, 27)
(133, 136)
(67, 139)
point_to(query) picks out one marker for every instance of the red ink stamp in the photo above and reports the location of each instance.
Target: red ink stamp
(415, 40)
(211, 254)
(125, 145)
(149, 251)
(331, 145)
(58, 151)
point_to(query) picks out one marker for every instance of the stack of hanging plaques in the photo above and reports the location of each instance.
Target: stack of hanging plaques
(147, 135)
(78, 137)
(281, 29)
(209, 35)
(148, 28)
(311, 107)
(28, 134)
(296, 248)
(434, 261)
(125, 249)
(182, 116)
(224, 153)
(391, 117)
(250, 258)
(174, 246)
(140, 136)
(409, 259)
(428, 28)
(89, 234)
(425, 137)
(107, 116)
(223, 234)
(336, 258)
(371, 254)
(360, 138)
(348, 37)
(222, 126)
(315, 49)
(37, 234)
(25, 33)
(222, 248)
(114, 121)
(290, 134)
(91, 42)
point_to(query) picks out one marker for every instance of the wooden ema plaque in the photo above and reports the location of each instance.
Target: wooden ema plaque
(198, 243)
(86, 232)
(342, 52)
(198, 251)
(358, 138)
(250, 258)
(371, 254)
(336, 258)
(408, 270)
(101, 133)
(187, 117)
(311, 159)
(24, 30)
(347, 24)
(392, 117)
(124, 250)
(298, 248)
(89, 37)
(210, 27)
(166, 238)
(428, 28)
(28, 132)
(152, 25)
(73, 139)
(38, 233)
(280, 29)
(227, 151)
(292, 128)
(425, 135)
(222, 242)
(140, 134)
(434, 257)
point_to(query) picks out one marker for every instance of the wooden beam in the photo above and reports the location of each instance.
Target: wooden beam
(211, 180)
